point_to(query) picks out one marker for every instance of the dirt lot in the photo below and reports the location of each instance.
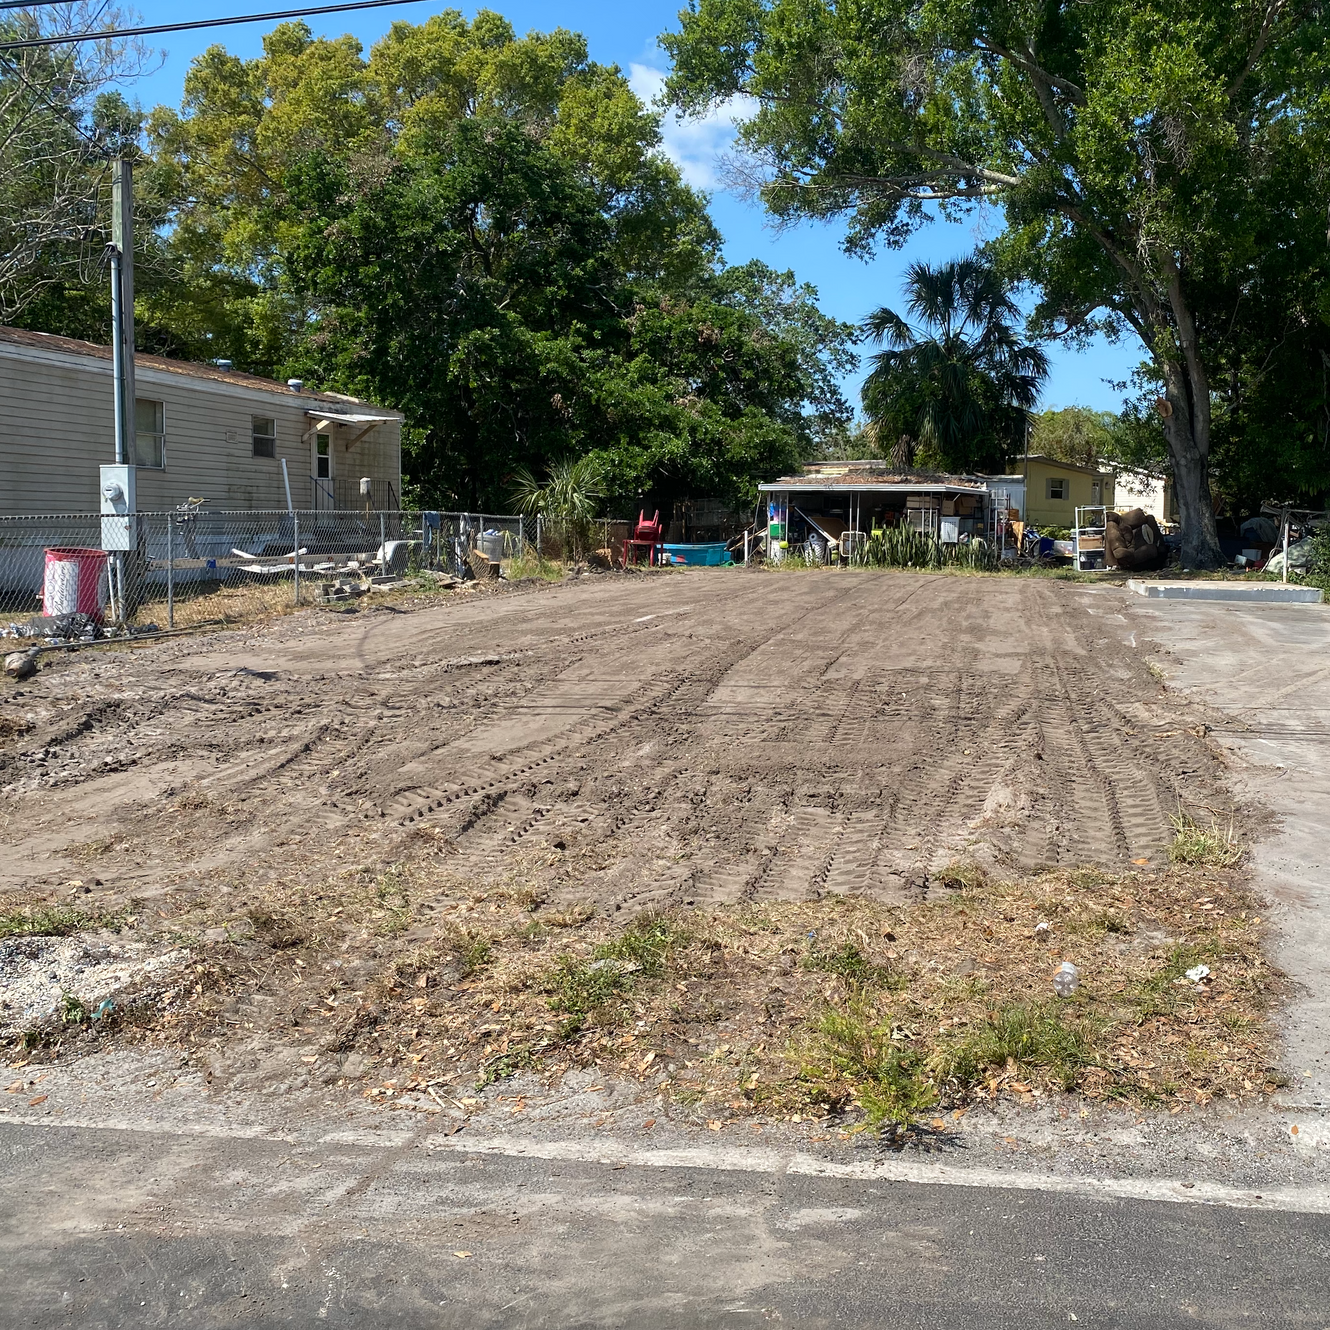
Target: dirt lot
(698, 737)
(399, 819)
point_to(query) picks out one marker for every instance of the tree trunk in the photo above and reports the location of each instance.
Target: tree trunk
(1189, 450)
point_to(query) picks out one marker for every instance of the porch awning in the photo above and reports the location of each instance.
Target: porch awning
(361, 418)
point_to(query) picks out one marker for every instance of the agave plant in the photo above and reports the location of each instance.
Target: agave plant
(565, 503)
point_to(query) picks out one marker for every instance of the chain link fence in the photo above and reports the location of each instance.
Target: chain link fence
(193, 566)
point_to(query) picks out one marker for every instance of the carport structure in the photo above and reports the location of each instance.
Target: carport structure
(843, 503)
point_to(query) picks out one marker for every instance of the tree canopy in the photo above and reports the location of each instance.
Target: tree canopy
(1075, 434)
(478, 228)
(59, 121)
(1161, 170)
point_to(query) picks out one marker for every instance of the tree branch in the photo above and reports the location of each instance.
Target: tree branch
(1037, 72)
(1272, 13)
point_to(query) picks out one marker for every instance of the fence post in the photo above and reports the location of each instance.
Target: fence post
(170, 571)
(521, 537)
(295, 531)
(538, 555)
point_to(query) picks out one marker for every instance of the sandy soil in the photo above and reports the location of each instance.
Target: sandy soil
(668, 740)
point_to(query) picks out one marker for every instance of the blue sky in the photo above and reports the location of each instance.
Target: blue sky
(624, 33)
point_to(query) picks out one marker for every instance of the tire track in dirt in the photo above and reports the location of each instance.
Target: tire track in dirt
(726, 736)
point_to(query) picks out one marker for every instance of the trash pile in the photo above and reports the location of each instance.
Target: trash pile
(58, 628)
(63, 629)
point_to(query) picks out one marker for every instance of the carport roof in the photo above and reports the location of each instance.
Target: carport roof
(859, 480)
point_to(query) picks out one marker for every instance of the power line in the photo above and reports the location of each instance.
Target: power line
(105, 33)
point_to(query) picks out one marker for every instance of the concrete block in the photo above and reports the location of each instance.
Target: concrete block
(1271, 593)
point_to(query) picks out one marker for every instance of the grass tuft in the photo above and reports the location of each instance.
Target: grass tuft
(647, 942)
(46, 921)
(855, 970)
(1203, 847)
(888, 1078)
(1024, 1035)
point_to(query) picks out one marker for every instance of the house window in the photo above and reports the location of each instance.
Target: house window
(263, 430)
(322, 457)
(149, 433)
(1057, 487)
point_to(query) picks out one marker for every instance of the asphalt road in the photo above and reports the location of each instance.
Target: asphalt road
(111, 1228)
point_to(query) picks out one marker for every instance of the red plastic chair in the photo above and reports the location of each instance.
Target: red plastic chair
(649, 536)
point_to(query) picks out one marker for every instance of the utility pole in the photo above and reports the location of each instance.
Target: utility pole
(122, 304)
(119, 499)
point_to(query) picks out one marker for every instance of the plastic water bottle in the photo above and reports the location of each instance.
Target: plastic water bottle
(1067, 980)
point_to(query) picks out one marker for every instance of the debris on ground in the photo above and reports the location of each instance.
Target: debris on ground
(21, 664)
(649, 826)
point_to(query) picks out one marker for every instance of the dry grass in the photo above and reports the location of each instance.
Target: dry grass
(842, 1006)
(1207, 847)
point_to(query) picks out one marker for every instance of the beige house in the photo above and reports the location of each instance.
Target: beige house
(204, 431)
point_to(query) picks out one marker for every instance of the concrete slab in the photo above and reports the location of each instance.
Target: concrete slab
(1266, 668)
(1265, 593)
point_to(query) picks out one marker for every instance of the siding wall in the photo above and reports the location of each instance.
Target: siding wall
(57, 427)
(1043, 511)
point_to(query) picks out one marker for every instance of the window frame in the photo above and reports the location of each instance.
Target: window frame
(268, 436)
(1061, 483)
(322, 437)
(158, 434)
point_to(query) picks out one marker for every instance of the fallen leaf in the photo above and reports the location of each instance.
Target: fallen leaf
(937, 1124)
(41, 1099)
(650, 1122)
(462, 1255)
(716, 1125)
(1140, 861)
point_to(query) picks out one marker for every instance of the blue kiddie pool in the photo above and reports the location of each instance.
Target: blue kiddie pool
(699, 556)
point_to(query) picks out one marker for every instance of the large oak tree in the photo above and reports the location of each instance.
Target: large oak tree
(1153, 162)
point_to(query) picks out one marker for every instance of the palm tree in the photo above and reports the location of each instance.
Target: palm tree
(958, 391)
(566, 502)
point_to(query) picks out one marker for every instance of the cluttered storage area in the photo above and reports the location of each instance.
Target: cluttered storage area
(825, 514)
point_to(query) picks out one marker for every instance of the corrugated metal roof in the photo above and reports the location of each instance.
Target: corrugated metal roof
(72, 346)
(861, 478)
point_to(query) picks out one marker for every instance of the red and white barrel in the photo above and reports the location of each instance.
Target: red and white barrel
(75, 582)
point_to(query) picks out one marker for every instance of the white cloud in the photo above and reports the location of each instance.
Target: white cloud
(695, 146)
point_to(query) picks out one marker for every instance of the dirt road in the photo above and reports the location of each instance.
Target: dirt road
(705, 736)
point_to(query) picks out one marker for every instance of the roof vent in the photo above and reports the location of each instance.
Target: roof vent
(296, 385)
(222, 364)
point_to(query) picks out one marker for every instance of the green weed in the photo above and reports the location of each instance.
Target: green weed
(472, 949)
(889, 1078)
(578, 988)
(504, 1065)
(647, 942)
(48, 921)
(1026, 1034)
(853, 967)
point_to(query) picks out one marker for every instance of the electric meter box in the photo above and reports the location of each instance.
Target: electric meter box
(119, 500)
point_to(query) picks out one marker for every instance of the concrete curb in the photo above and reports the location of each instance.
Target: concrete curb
(1260, 592)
